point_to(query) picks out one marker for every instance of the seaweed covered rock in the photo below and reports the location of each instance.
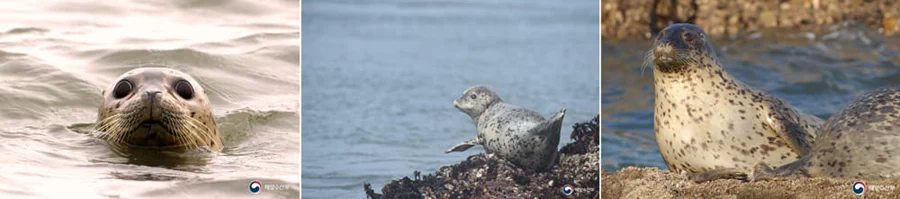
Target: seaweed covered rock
(488, 176)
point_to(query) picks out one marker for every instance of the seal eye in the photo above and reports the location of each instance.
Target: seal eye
(123, 88)
(689, 37)
(184, 89)
(473, 96)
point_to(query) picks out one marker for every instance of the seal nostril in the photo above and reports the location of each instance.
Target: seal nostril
(152, 94)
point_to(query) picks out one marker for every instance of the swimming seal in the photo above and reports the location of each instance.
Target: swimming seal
(516, 134)
(157, 108)
(708, 122)
(858, 142)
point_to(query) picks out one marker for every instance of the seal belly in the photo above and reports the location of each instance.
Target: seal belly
(699, 132)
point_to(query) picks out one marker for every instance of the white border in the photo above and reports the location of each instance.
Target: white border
(300, 105)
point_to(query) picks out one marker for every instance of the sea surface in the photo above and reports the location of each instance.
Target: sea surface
(817, 71)
(57, 56)
(379, 79)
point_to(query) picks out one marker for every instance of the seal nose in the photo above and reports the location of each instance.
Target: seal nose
(153, 97)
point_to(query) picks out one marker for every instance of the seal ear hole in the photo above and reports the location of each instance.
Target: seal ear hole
(122, 89)
(184, 89)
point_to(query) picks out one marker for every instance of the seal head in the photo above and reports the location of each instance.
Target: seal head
(476, 100)
(680, 44)
(157, 108)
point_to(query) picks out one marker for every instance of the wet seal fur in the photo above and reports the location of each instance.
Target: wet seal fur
(707, 122)
(859, 142)
(157, 108)
(516, 134)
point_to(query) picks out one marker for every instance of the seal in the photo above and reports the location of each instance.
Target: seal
(705, 120)
(859, 142)
(157, 108)
(516, 134)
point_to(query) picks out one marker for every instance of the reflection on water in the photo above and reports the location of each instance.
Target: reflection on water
(379, 79)
(817, 72)
(56, 57)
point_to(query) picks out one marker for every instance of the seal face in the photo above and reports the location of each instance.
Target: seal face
(704, 119)
(680, 45)
(157, 108)
(859, 141)
(519, 135)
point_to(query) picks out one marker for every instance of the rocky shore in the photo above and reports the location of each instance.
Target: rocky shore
(634, 182)
(624, 19)
(488, 176)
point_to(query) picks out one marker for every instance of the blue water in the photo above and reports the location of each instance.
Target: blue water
(379, 79)
(817, 72)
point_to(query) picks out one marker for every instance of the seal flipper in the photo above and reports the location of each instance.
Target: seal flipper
(725, 173)
(763, 172)
(788, 124)
(553, 124)
(464, 145)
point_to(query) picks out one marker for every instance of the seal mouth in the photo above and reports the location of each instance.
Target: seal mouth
(152, 133)
(150, 124)
(668, 57)
(664, 55)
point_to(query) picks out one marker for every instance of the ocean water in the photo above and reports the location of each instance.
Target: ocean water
(817, 71)
(379, 79)
(55, 57)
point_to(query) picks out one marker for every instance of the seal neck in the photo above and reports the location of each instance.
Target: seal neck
(704, 72)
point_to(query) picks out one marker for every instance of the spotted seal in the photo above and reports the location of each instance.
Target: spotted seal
(705, 120)
(157, 108)
(859, 141)
(516, 134)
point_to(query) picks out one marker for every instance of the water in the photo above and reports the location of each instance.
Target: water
(817, 71)
(56, 57)
(379, 79)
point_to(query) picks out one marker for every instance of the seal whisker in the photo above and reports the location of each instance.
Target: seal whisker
(648, 61)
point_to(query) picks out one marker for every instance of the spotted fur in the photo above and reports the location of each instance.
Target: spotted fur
(705, 119)
(519, 135)
(859, 141)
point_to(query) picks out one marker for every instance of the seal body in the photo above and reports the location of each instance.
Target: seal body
(705, 119)
(519, 135)
(859, 141)
(157, 108)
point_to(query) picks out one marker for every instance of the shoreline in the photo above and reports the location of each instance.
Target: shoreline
(651, 182)
(625, 19)
(488, 176)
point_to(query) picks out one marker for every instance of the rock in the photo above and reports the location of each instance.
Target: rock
(627, 19)
(488, 176)
(634, 182)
